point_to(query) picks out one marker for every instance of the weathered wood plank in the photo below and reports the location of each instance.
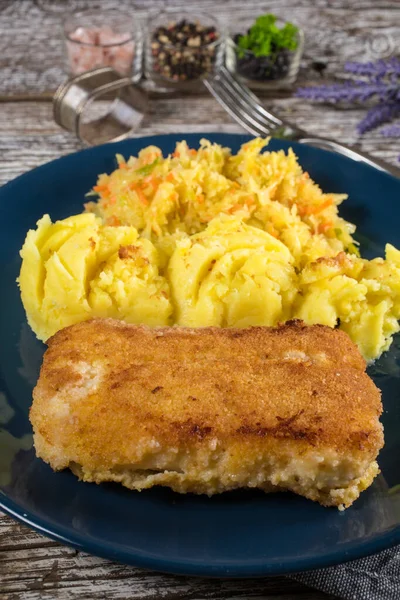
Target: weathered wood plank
(29, 137)
(32, 50)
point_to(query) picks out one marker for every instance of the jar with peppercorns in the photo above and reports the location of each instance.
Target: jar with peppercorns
(182, 49)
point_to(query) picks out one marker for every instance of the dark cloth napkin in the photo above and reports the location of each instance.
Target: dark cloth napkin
(376, 577)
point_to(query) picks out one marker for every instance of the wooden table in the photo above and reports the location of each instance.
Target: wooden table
(31, 67)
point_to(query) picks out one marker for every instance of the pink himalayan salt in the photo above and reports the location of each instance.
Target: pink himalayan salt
(104, 50)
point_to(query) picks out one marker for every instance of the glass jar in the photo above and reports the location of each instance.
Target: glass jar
(110, 39)
(182, 49)
(277, 71)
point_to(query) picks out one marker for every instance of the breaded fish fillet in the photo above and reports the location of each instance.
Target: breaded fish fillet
(208, 410)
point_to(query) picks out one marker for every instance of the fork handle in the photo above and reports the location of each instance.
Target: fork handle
(351, 152)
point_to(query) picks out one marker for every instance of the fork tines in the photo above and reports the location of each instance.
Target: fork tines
(242, 104)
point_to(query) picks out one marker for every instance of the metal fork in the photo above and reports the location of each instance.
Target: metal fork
(246, 109)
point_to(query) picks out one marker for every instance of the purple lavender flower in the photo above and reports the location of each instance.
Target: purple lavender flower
(376, 69)
(378, 115)
(378, 80)
(391, 130)
(350, 91)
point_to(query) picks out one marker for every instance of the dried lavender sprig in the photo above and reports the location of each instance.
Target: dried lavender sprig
(351, 91)
(379, 68)
(392, 130)
(381, 80)
(377, 115)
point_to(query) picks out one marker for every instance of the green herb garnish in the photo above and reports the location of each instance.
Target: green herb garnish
(265, 37)
(147, 169)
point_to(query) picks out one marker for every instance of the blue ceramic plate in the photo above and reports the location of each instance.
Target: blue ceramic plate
(243, 533)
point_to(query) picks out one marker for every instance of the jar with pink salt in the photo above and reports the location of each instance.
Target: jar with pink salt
(110, 39)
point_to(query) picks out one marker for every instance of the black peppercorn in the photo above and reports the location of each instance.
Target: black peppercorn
(184, 51)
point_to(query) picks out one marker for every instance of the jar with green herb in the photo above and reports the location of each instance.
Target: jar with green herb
(265, 52)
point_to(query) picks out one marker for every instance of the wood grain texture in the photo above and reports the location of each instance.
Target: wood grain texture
(29, 137)
(336, 31)
(33, 567)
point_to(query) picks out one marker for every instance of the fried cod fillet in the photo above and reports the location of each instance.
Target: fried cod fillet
(209, 410)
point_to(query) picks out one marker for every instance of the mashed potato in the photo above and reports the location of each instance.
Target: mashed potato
(231, 275)
(204, 237)
(78, 268)
(363, 296)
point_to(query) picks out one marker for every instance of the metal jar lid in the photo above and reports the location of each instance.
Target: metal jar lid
(99, 106)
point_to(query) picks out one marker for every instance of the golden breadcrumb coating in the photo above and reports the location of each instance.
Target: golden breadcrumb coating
(207, 410)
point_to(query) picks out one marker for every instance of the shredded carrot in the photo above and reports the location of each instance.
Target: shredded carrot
(249, 201)
(106, 194)
(155, 183)
(324, 205)
(100, 188)
(235, 208)
(142, 198)
(323, 227)
(176, 154)
(123, 166)
(170, 177)
(112, 200)
(271, 230)
(302, 210)
(313, 209)
(200, 198)
(113, 221)
(152, 181)
(192, 152)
